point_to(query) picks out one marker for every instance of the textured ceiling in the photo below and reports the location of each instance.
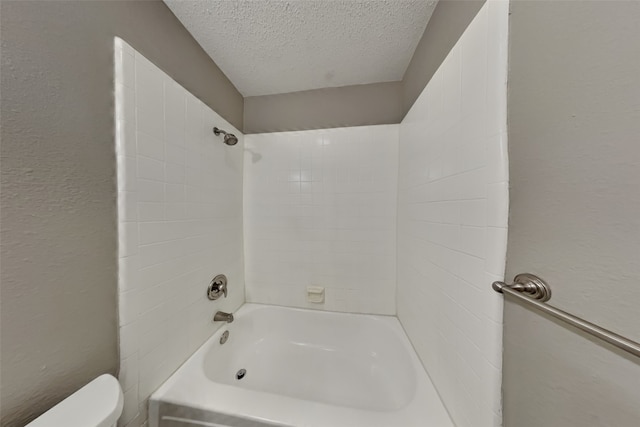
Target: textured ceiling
(267, 46)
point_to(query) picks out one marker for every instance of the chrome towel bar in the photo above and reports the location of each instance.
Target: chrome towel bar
(534, 291)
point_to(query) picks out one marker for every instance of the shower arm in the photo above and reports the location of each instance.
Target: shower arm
(217, 131)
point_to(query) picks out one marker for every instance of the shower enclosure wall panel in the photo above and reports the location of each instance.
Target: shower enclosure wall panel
(320, 209)
(452, 220)
(179, 224)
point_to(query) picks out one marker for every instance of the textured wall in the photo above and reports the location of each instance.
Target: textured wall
(320, 209)
(58, 309)
(179, 224)
(452, 219)
(574, 138)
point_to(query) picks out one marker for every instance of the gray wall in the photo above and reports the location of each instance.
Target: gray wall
(58, 281)
(574, 147)
(359, 105)
(378, 103)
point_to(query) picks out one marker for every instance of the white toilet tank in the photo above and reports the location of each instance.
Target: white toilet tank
(97, 404)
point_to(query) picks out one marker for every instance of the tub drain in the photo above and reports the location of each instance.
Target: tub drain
(240, 374)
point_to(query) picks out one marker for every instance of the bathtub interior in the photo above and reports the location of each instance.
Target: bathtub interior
(304, 368)
(333, 358)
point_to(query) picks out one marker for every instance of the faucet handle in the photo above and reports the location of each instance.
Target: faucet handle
(217, 287)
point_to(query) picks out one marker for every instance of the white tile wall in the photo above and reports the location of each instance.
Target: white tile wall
(452, 220)
(320, 209)
(179, 224)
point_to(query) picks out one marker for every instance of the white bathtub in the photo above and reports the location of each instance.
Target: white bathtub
(303, 368)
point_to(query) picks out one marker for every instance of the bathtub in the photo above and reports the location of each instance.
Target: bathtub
(301, 368)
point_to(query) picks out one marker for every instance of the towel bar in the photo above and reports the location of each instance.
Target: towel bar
(535, 291)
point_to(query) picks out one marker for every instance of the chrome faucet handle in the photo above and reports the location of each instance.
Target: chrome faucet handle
(217, 287)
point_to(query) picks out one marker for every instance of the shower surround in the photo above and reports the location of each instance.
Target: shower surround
(320, 209)
(452, 220)
(179, 224)
(408, 219)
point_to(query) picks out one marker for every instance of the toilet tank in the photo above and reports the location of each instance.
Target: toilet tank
(97, 404)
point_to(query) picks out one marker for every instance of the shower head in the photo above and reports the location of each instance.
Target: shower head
(229, 138)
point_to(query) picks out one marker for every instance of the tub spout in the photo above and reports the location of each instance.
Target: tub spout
(221, 316)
